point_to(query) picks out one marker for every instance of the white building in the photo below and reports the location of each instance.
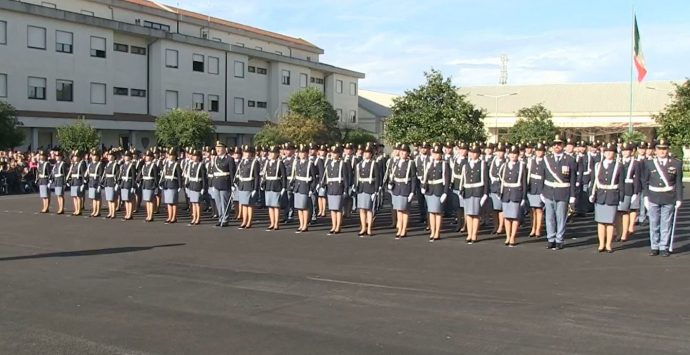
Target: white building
(120, 64)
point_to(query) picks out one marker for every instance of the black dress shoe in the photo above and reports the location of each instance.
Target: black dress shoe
(218, 224)
(654, 253)
(559, 246)
(665, 253)
(550, 245)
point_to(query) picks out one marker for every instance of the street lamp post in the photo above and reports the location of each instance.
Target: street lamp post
(496, 97)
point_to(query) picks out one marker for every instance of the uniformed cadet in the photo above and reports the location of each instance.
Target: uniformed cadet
(148, 178)
(349, 203)
(513, 191)
(495, 165)
(94, 178)
(321, 161)
(303, 183)
(536, 170)
(403, 184)
(196, 185)
(127, 184)
(110, 183)
(642, 157)
(209, 155)
(261, 158)
(43, 180)
(274, 183)
(248, 183)
(388, 180)
(75, 180)
(586, 164)
(457, 164)
(223, 168)
(631, 189)
(138, 164)
(289, 198)
(337, 180)
(313, 200)
(474, 191)
(607, 194)
(366, 183)
(171, 184)
(237, 155)
(381, 162)
(435, 186)
(57, 176)
(559, 192)
(663, 185)
(421, 161)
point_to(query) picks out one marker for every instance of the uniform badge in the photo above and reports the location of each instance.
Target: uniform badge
(672, 170)
(565, 170)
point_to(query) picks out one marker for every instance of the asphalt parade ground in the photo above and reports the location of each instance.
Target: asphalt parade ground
(76, 285)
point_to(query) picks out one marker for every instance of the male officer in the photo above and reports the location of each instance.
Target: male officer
(559, 191)
(223, 167)
(663, 185)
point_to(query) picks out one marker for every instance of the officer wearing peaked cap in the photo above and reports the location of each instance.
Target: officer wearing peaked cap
(337, 179)
(303, 182)
(631, 188)
(513, 192)
(94, 176)
(403, 181)
(435, 187)
(607, 195)
(248, 181)
(127, 183)
(148, 178)
(559, 191)
(75, 180)
(196, 185)
(536, 171)
(274, 183)
(43, 180)
(367, 181)
(223, 168)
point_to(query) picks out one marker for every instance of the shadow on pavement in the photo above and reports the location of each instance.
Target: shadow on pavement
(89, 252)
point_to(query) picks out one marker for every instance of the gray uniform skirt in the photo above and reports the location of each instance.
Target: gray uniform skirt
(322, 192)
(94, 194)
(193, 196)
(301, 201)
(496, 201)
(635, 205)
(472, 206)
(124, 194)
(244, 197)
(170, 196)
(433, 204)
(364, 201)
(335, 202)
(43, 191)
(110, 194)
(399, 202)
(75, 191)
(273, 199)
(624, 206)
(59, 190)
(535, 201)
(147, 195)
(605, 213)
(511, 210)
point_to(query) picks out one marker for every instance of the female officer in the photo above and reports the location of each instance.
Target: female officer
(148, 179)
(404, 184)
(435, 187)
(274, 182)
(127, 178)
(171, 178)
(513, 193)
(607, 195)
(303, 181)
(94, 177)
(75, 179)
(535, 185)
(43, 180)
(475, 190)
(196, 185)
(248, 177)
(337, 180)
(367, 182)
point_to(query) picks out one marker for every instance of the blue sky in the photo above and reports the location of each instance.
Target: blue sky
(394, 42)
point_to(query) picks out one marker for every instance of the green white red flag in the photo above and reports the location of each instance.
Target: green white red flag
(638, 57)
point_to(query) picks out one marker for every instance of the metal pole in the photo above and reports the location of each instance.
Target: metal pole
(496, 121)
(632, 59)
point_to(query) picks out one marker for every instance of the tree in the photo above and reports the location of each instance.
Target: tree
(674, 119)
(534, 124)
(358, 136)
(633, 136)
(10, 134)
(270, 134)
(312, 103)
(434, 112)
(78, 136)
(184, 128)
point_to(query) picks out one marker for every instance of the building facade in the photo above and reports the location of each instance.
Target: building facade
(120, 64)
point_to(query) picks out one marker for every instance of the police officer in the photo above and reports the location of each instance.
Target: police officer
(663, 185)
(320, 163)
(559, 192)
(457, 164)
(148, 178)
(337, 180)
(513, 192)
(403, 186)
(171, 184)
(631, 188)
(536, 170)
(110, 183)
(274, 183)
(495, 166)
(474, 190)
(607, 194)
(57, 177)
(435, 187)
(303, 184)
(94, 177)
(43, 180)
(367, 182)
(248, 183)
(223, 168)
(75, 180)
(127, 184)
(196, 185)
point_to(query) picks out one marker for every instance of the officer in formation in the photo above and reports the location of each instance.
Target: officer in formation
(623, 183)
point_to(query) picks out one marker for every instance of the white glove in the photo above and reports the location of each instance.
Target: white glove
(678, 204)
(373, 197)
(591, 199)
(132, 191)
(344, 194)
(81, 188)
(522, 203)
(572, 200)
(443, 197)
(282, 192)
(633, 198)
(50, 185)
(117, 187)
(481, 202)
(310, 194)
(98, 190)
(390, 186)
(542, 198)
(202, 191)
(179, 189)
(646, 202)
(410, 196)
(423, 191)
(253, 193)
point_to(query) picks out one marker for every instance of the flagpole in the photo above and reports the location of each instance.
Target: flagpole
(632, 59)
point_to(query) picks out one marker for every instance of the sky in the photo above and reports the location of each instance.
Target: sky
(395, 41)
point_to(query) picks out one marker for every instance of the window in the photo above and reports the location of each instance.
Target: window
(339, 86)
(198, 102)
(87, 12)
(3, 32)
(157, 26)
(119, 47)
(262, 71)
(353, 89)
(137, 92)
(213, 65)
(303, 80)
(36, 37)
(239, 106)
(251, 69)
(353, 116)
(98, 93)
(261, 104)
(64, 90)
(3, 85)
(37, 88)
(213, 103)
(258, 48)
(98, 47)
(170, 99)
(120, 91)
(251, 103)
(171, 58)
(286, 77)
(138, 50)
(63, 41)
(317, 80)
(339, 113)
(239, 69)
(198, 62)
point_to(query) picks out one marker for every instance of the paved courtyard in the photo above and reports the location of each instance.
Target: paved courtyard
(75, 285)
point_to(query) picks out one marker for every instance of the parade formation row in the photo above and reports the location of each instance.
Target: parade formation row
(474, 182)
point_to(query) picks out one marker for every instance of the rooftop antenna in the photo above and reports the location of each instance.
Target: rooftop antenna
(503, 79)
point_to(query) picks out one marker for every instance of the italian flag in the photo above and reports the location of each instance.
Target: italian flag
(638, 57)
